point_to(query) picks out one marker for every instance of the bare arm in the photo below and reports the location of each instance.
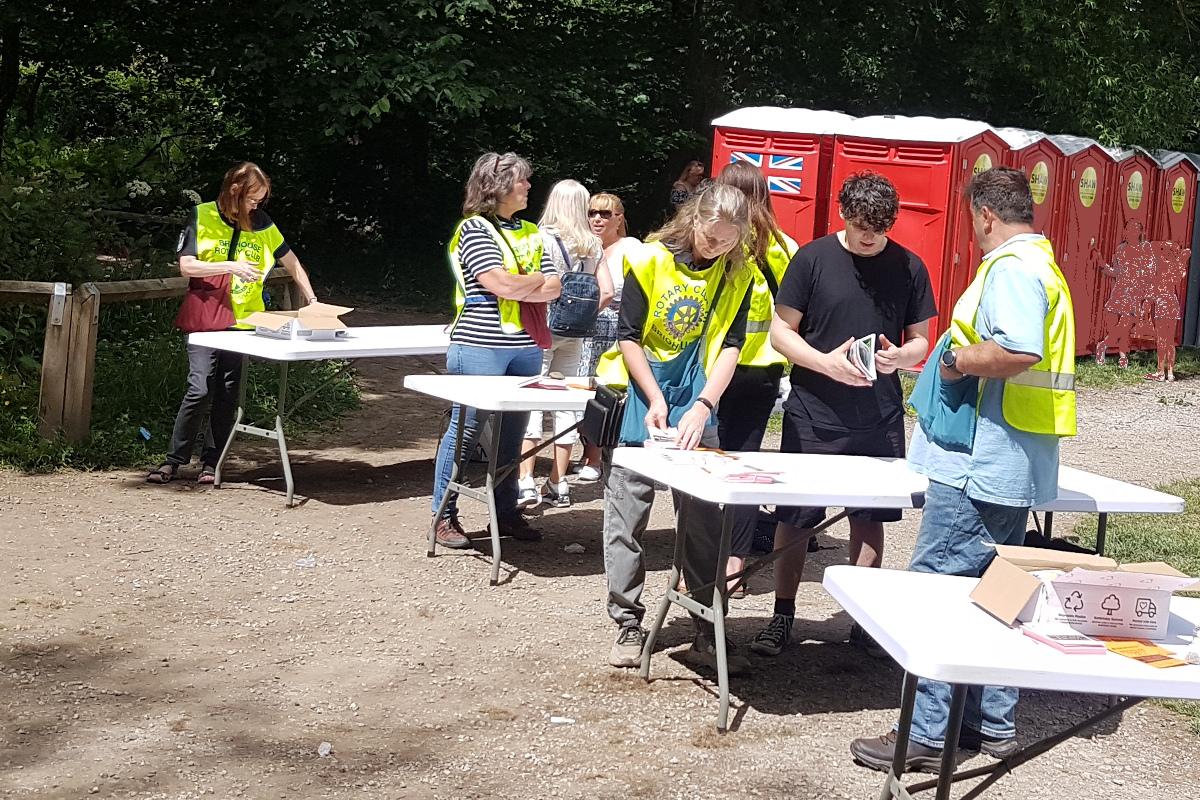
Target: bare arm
(294, 268)
(890, 358)
(640, 374)
(691, 425)
(604, 279)
(550, 290)
(988, 360)
(192, 267)
(786, 338)
(511, 286)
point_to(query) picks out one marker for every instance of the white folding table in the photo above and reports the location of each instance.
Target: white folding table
(824, 480)
(969, 647)
(363, 342)
(491, 393)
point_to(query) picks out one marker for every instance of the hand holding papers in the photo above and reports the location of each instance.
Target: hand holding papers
(862, 355)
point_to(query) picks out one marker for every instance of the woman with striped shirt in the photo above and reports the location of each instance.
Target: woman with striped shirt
(499, 264)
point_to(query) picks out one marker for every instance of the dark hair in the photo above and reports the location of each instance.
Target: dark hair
(763, 226)
(1005, 191)
(870, 200)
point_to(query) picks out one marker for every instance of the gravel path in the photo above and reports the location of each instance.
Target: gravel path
(176, 642)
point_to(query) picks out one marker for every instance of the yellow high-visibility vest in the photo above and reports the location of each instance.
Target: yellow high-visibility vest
(214, 238)
(757, 351)
(1042, 398)
(679, 300)
(521, 250)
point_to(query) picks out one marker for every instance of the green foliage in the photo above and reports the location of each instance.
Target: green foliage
(1090, 375)
(1153, 537)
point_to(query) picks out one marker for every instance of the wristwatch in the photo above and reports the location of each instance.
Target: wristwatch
(950, 359)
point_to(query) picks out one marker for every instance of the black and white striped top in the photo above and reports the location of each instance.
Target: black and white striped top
(478, 252)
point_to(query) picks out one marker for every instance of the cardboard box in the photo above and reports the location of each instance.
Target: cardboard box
(314, 322)
(1092, 594)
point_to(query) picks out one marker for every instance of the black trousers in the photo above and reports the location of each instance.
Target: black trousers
(213, 378)
(741, 424)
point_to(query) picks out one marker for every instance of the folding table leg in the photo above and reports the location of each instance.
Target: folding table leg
(280, 413)
(718, 614)
(908, 699)
(958, 703)
(671, 595)
(490, 490)
(237, 420)
(1049, 525)
(1101, 533)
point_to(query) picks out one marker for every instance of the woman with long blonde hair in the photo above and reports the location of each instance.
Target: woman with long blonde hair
(573, 247)
(226, 251)
(606, 215)
(682, 322)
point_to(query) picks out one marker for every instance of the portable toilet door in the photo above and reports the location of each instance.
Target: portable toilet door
(1133, 202)
(794, 148)
(1175, 220)
(930, 161)
(1041, 161)
(1080, 229)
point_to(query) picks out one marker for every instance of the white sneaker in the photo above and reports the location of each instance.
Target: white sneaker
(558, 495)
(527, 494)
(588, 474)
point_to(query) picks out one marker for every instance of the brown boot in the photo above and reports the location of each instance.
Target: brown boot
(450, 533)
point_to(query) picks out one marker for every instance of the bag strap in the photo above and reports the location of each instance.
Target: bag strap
(563, 249)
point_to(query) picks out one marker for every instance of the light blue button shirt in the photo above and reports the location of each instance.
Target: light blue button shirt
(1006, 466)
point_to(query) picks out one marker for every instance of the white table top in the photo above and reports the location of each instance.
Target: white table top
(363, 342)
(1088, 492)
(805, 479)
(497, 393)
(929, 625)
(864, 482)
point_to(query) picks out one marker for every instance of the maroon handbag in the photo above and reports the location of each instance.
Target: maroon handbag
(206, 306)
(533, 315)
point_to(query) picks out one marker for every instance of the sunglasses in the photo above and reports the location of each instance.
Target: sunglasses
(602, 213)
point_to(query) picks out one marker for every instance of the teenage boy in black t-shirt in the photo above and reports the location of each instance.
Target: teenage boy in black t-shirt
(837, 289)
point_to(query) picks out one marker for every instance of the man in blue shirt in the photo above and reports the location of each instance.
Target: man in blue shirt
(982, 497)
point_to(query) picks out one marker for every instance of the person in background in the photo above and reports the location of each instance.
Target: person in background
(837, 289)
(1013, 334)
(606, 215)
(228, 246)
(750, 397)
(689, 182)
(498, 264)
(683, 320)
(572, 246)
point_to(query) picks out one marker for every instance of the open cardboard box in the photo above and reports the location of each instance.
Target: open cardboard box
(314, 322)
(1094, 595)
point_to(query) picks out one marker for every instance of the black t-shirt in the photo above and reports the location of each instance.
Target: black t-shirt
(842, 295)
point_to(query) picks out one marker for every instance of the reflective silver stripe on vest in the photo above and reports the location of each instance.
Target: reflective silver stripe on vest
(1060, 381)
(758, 327)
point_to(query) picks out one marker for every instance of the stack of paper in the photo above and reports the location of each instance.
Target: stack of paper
(1064, 639)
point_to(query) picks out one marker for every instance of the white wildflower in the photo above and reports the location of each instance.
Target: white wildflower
(137, 188)
(191, 196)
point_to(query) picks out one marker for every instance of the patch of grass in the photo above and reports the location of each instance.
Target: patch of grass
(141, 373)
(1090, 375)
(1157, 537)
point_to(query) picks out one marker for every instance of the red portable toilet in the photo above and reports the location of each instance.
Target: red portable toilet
(1133, 201)
(930, 161)
(1081, 231)
(1040, 159)
(793, 147)
(1175, 220)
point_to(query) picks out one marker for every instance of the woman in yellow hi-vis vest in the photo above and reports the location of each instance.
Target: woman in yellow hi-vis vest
(499, 265)
(682, 321)
(754, 388)
(226, 250)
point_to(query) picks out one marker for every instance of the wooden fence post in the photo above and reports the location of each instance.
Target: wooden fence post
(55, 356)
(77, 414)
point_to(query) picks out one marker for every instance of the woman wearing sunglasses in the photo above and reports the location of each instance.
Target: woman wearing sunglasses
(683, 319)
(750, 398)
(606, 215)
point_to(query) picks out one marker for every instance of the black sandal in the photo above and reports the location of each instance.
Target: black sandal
(165, 473)
(207, 476)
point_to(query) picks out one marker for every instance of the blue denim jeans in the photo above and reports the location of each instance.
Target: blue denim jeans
(463, 359)
(954, 539)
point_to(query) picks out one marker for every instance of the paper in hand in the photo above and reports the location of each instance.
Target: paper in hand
(862, 355)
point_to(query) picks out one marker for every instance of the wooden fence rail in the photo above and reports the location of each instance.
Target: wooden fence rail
(72, 327)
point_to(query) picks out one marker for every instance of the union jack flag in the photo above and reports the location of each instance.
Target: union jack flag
(751, 158)
(783, 185)
(787, 162)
